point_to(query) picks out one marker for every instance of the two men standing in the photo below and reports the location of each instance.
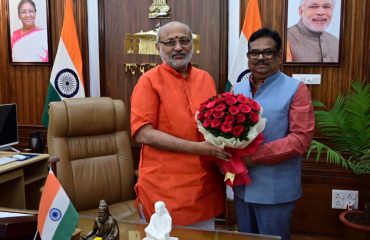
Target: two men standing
(177, 166)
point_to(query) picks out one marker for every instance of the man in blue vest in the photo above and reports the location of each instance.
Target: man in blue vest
(265, 206)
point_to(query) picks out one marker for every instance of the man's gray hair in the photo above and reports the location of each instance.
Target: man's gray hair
(302, 2)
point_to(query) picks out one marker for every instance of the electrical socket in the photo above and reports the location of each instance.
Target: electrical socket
(337, 203)
(344, 199)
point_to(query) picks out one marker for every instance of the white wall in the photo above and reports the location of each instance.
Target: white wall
(234, 30)
(93, 35)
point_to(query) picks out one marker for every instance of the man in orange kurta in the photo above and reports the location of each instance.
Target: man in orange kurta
(176, 164)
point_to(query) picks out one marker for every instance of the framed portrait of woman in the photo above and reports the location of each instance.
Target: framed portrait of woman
(28, 32)
(313, 30)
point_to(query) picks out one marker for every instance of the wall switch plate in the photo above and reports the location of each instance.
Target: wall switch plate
(344, 199)
(308, 78)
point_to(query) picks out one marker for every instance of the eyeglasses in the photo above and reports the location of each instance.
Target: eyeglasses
(184, 42)
(267, 53)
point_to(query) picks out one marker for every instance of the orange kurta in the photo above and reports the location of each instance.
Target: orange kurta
(190, 185)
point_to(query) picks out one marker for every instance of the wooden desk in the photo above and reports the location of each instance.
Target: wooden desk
(20, 181)
(21, 227)
(135, 231)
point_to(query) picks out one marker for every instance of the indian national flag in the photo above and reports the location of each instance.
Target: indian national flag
(57, 218)
(252, 22)
(66, 76)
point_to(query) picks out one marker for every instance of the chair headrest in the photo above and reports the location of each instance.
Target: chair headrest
(86, 116)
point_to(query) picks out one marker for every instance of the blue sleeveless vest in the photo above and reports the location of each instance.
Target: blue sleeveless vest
(278, 183)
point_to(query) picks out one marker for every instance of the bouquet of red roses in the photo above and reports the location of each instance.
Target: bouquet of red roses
(234, 122)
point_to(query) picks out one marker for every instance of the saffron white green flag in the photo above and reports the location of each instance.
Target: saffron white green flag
(57, 218)
(66, 76)
(252, 22)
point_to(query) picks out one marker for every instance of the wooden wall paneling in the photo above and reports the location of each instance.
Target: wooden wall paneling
(28, 89)
(56, 9)
(17, 82)
(82, 32)
(199, 15)
(224, 36)
(25, 133)
(3, 53)
(313, 212)
(37, 102)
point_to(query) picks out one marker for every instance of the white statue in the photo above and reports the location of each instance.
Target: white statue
(160, 224)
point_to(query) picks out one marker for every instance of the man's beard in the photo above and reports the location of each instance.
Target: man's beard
(311, 26)
(173, 63)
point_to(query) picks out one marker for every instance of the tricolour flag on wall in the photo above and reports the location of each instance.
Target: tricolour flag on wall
(66, 76)
(57, 218)
(252, 22)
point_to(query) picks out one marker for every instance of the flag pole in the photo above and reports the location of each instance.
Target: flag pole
(37, 231)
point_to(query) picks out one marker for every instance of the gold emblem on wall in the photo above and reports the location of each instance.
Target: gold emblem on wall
(144, 43)
(159, 9)
(141, 43)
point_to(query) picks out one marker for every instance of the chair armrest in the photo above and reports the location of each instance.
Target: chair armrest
(52, 161)
(53, 164)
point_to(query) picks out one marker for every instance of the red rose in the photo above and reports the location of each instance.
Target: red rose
(219, 100)
(254, 117)
(234, 110)
(220, 107)
(218, 114)
(229, 118)
(208, 113)
(230, 100)
(226, 127)
(244, 108)
(211, 104)
(207, 122)
(238, 130)
(254, 105)
(242, 99)
(227, 94)
(240, 118)
(202, 107)
(200, 116)
(215, 123)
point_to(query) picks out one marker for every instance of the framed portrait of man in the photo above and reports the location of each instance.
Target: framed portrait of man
(313, 30)
(28, 32)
